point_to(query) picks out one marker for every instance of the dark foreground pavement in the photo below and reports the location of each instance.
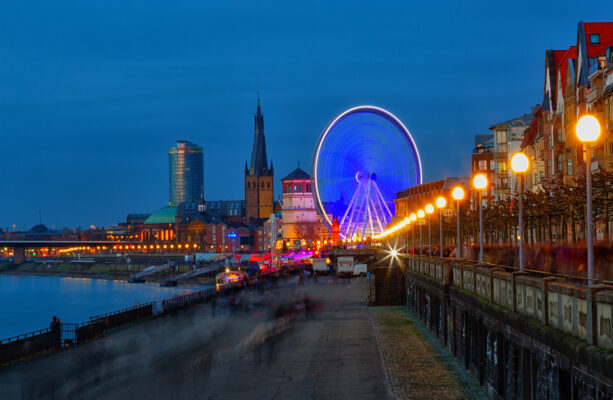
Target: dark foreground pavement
(331, 355)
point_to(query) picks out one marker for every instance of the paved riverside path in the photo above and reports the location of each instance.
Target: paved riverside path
(418, 366)
(332, 355)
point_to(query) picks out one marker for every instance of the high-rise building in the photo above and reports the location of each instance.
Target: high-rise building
(185, 162)
(259, 200)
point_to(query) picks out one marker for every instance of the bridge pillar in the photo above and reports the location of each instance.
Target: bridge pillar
(19, 255)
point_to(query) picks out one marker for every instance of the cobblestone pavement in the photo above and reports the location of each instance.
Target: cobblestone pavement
(417, 366)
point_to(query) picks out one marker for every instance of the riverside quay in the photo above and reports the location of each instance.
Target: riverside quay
(416, 327)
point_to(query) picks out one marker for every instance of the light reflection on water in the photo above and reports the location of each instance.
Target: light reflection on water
(27, 302)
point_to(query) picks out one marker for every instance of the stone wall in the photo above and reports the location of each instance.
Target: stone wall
(523, 336)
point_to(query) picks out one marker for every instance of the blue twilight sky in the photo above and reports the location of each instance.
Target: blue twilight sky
(92, 93)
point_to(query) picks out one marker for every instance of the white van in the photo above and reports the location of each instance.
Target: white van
(360, 269)
(344, 266)
(320, 266)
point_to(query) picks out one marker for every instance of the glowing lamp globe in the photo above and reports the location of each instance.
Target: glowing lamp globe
(480, 181)
(519, 162)
(429, 209)
(407, 221)
(441, 202)
(588, 129)
(413, 217)
(458, 193)
(421, 213)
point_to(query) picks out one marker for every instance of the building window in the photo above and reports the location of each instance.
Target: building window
(268, 185)
(559, 139)
(559, 163)
(611, 149)
(262, 185)
(482, 165)
(501, 137)
(569, 167)
(549, 167)
(594, 38)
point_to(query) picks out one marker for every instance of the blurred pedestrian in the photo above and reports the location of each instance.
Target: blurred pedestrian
(213, 305)
(56, 331)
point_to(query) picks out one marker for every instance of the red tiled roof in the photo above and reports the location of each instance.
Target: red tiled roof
(532, 129)
(605, 30)
(570, 54)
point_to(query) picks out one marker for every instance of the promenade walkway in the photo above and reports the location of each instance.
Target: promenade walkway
(334, 354)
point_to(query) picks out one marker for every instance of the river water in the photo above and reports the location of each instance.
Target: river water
(27, 302)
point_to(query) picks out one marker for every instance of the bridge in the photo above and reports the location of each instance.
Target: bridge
(20, 246)
(138, 278)
(189, 274)
(521, 334)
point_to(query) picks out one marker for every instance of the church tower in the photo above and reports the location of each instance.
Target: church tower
(258, 176)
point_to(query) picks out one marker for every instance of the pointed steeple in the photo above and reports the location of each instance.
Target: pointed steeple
(259, 162)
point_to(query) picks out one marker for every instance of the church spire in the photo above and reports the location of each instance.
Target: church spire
(259, 161)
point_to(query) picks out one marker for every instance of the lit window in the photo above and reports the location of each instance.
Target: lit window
(594, 38)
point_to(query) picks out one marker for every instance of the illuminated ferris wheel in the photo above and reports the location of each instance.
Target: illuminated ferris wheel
(362, 159)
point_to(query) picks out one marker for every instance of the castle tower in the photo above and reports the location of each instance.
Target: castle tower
(258, 176)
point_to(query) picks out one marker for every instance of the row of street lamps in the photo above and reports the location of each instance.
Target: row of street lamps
(457, 193)
(588, 131)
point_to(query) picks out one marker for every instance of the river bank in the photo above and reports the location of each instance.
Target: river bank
(28, 302)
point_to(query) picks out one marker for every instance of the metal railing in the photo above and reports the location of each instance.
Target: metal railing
(24, 336)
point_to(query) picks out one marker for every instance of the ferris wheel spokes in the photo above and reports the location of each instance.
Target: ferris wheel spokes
(367, 206)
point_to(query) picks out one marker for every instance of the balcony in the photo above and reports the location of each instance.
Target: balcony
(483, 150)
(593, 94)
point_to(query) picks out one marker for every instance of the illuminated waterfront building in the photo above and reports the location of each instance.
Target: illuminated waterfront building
(299, 215)
(185, 161)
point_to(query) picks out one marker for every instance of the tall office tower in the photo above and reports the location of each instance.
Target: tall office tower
(185, 161)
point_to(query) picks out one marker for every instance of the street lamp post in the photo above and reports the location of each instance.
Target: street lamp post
(458, 194)
(441, 203)
(520, 164)
(588, 130)
(413, 218)
(480, 183)
(420, 215)
(429, 211)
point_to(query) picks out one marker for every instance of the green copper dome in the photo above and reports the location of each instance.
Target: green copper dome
(165, 215)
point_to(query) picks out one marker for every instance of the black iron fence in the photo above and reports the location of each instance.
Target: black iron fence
(70, 334)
